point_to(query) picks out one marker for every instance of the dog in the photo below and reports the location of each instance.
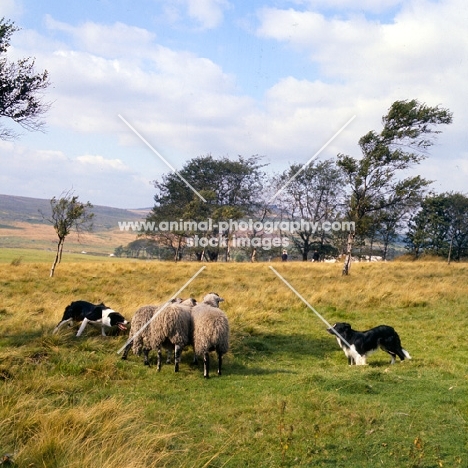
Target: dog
(76, 312)
(87, 312)
(357, 345)
(104, 318)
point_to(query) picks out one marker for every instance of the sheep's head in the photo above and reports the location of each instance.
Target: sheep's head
(213, 299)
(191, 302)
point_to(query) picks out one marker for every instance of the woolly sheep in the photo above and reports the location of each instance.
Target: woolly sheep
(171, 328)
(210, 331)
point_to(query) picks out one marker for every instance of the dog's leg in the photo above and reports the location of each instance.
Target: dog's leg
(82, 327)
(362, 360)
(405, 354)
(61, 324)
(103, 331)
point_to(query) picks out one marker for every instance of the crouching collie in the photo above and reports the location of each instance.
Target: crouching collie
(358, 345)
(98, 315)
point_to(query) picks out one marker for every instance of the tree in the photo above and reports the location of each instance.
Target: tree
(440, 227)
(20, 88)
(312, 197)
(407, 134)
(68, 213)
(231, 188)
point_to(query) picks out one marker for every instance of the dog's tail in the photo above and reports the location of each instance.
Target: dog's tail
(407, 355)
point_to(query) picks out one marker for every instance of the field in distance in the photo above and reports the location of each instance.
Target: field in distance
(23, 226)
(287, 397)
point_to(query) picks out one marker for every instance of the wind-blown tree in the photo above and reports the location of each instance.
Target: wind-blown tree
(408, 132)
(232, 189)
(313, 196)
(68, 214)
(20, 88)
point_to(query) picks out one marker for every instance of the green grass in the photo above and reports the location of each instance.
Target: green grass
(287, 397)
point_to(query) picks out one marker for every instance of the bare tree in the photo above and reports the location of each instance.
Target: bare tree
(67, 214)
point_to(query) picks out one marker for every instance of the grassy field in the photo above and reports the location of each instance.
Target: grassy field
(287, 397)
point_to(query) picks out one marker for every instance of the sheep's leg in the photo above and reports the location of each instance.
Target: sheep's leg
(169, 352)
(159, 358)
(126, 350)
(146, 356)
(206, 365)
(177, 353)
(220, 362)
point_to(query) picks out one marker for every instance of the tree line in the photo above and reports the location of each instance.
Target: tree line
(370, 192)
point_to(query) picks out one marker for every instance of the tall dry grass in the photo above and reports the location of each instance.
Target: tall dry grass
(287, 397)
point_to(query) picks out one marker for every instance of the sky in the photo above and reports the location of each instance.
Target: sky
(273, 78)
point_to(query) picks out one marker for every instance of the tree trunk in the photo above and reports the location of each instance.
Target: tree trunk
(349, 248)
(58, 257)
(450, 250)
(253, 256)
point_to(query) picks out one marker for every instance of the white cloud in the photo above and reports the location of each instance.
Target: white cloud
(186, 104)
(95, 162)
(208, 13)
(48, 173)
(109, 41)
(11, 9)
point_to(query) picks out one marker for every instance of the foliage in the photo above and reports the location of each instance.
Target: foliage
(20, 87)
(68, 213)
(408, 130)
(312, 195)
(231, 190)
(440, 227)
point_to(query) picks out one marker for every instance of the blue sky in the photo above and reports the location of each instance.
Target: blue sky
(273, 78)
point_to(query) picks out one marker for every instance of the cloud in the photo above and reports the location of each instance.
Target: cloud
(208, 13)
(186, 104)
(11, 9)
(48, 173)
(107, 41)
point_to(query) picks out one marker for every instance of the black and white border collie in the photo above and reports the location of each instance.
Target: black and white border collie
(358, 345)
(95, 314)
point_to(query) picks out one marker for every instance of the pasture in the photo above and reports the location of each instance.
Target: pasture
(287, 397)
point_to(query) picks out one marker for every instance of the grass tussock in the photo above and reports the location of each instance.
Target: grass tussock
(287, 397)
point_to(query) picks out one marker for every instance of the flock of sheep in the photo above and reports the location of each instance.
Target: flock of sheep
(178, 324)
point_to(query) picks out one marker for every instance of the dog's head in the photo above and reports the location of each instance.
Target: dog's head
(111, 318)
(340, 329)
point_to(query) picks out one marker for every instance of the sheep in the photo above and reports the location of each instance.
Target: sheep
(210, 331)
(169, 325)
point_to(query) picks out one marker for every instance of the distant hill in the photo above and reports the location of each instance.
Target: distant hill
(23, 226)
(15, 209)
